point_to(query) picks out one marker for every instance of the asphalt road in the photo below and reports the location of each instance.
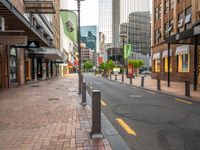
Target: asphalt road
(160, 122)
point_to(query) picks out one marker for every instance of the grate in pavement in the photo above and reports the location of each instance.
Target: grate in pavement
(57, 88)
(53, 99)
(35, 85)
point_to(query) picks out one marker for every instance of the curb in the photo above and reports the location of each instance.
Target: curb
(156, 91)
(108, 130)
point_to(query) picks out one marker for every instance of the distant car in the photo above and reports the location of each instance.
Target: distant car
(146, 72)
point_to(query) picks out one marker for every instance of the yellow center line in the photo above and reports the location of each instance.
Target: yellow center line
(103, 103)
(183, 101)
(126, 127)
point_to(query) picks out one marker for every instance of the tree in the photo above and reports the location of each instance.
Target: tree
(136, 64)
(107, 67)
(87, 65)
(110, 65)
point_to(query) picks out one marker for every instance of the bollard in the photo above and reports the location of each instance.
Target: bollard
(131, 79)
(187, 88)
(158, 84)
(142, 81)
(115, 77)
(110, 76)
(96, 114)
(122, 77)
(83, 94)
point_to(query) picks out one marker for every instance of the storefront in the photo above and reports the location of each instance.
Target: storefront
(156, 62)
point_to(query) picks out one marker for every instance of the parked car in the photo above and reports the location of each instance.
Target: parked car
(146, 72)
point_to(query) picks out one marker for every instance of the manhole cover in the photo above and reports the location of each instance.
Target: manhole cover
(53, 99)
(48, 83)
(57, 88)
(35, 85)
(135, 96)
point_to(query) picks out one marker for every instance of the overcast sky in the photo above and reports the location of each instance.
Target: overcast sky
(89, 10)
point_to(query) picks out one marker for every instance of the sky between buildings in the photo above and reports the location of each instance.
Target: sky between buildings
(89, 10)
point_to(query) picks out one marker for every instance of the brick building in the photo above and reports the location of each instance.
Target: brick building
(175, 33)
(29, 41)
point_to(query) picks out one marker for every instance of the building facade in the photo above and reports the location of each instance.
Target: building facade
(174, 30)
(29, 41)
(89, 36)
(139, 32)
(105, 19)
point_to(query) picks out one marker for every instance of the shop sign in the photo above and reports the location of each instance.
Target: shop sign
(13, 40)
(36, 55)
(197, 30)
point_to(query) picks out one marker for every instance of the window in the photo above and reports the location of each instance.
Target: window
(166, 7)
(169, 28)
(166, 64)
(158, 12)
(183, 63)
(188, 16)
(157, 65)
(180, 22)
(158, 35)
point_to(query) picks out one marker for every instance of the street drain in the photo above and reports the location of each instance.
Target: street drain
(35, 85)
(53, 99)
(57, 88)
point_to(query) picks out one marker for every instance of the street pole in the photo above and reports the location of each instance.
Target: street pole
(79, 47)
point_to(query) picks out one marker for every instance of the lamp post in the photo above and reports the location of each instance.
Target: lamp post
(79, 44)
(123, 36)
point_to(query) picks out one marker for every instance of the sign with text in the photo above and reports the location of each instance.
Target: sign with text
(13, 40)
(32, 55)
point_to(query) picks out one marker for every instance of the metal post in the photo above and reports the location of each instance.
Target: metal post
(83, 94)
(35, 69)
(110, 76)
(187, 88)
(131, 79)
(195, 64)
(158, 83)
(122, 75)
(79, 46)
(115, 77)
(96, 114)
(168, 64)
(142, 81)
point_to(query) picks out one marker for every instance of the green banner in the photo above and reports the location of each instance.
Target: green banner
(69, 22)
(127, 50)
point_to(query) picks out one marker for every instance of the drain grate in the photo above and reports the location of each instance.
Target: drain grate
(57, 88)
(53, 99)
(35, 85)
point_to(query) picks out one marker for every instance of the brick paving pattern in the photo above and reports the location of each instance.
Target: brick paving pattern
(177, 88)
(46, 116)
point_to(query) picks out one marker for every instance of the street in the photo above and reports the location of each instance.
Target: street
(151, 121)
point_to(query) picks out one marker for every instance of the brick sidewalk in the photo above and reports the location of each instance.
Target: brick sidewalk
(177, 88)
(46, 115)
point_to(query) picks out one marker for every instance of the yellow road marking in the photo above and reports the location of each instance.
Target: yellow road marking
(103, 103)
(126, 127)
(183, 101)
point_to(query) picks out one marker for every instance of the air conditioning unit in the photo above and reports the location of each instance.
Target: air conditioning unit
(2, 24)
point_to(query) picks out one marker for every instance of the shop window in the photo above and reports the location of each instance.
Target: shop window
(166, 64)
(183, 63)
(157, 65)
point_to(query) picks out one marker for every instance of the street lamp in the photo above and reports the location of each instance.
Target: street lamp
(124, 36)
(79, 43)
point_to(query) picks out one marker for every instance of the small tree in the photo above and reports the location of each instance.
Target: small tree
(136, 64)
(87, 65)
(110, 65)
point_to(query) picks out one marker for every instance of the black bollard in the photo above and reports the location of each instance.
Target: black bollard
(83, 90)
(122, 77)
(187, 88)
(131, 79)
(158, 84)
(96, 114)
(142, 81)
(115, 77)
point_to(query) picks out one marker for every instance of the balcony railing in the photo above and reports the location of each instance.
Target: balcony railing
(39, 6)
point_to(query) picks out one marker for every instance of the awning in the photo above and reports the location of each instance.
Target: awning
(165, 53)
(184, 49)
(49, 53)
(156, 56)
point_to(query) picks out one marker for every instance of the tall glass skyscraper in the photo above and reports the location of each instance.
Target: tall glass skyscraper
(105, 19)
